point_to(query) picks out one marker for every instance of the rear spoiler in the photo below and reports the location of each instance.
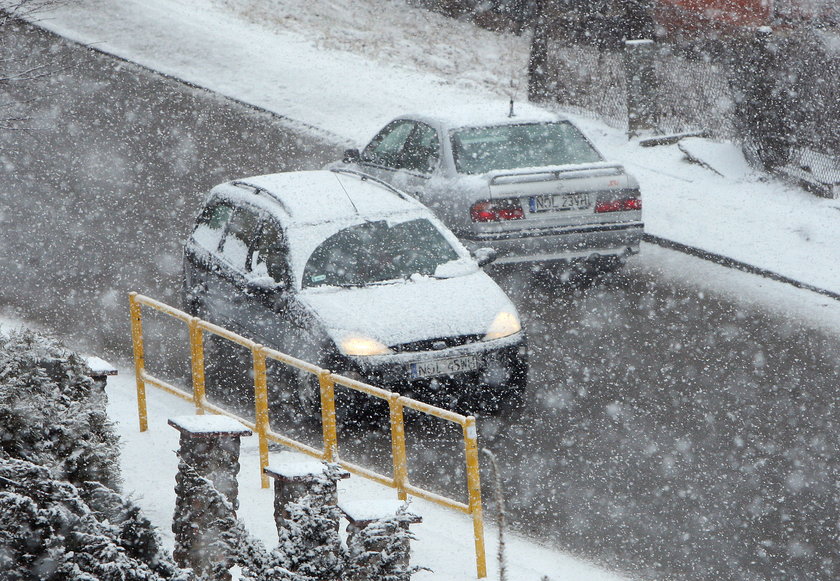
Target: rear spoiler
(558, 173)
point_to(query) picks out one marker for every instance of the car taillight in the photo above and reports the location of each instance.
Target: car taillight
(620, 205)
(497, 210)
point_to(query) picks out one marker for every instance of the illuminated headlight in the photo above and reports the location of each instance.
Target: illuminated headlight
(506, 323)
(362, 346)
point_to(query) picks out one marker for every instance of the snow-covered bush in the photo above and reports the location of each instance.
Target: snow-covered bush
(52, 414)
(60, 514)
(49, 531)
(381, 550)
(309, 537)
(310, 548)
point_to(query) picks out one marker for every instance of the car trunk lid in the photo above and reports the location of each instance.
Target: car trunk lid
(560, 196)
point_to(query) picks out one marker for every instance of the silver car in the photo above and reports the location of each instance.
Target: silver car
(530, 185)
(345, 272)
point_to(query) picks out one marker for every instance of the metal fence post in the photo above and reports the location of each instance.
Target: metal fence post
(261, 408)
(474, 486)
(328, 423)
(197, 359)
(139, 359)
(641, 83)
(398, 445)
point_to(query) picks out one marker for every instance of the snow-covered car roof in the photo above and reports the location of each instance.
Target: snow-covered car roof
(486, 114)
(309, 197)
(314, 205)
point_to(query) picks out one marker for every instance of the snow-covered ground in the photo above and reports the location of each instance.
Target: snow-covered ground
(444, 538)
(344, 69)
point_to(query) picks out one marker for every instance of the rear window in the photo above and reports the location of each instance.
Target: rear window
(478, 150)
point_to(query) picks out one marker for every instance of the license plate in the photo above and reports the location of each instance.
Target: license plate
(559, 202)
(448, 366)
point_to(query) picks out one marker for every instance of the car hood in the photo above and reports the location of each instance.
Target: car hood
(414, 310)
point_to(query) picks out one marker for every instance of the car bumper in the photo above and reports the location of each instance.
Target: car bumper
(502, 369)
(572, 243)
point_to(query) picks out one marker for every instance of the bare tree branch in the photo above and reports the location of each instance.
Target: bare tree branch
(13, 70)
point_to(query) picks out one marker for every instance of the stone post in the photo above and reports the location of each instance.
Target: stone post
(640, 76)
(378, 538)
(295, 480)
(209, 448)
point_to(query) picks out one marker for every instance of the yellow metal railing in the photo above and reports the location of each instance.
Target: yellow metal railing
(327, 382)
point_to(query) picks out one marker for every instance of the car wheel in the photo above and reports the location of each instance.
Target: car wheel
(191, 301)
(228, 375)
(308, 391)
(609, 264)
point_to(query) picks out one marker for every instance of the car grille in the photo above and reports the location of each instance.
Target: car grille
(436, 344)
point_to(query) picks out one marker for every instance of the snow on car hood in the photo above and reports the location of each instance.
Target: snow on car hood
(412, 310)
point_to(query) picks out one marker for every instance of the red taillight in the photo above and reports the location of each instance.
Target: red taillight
(496, 211)
(633, 204)
(622, 205)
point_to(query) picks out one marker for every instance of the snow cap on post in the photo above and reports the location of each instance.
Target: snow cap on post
(208, 426)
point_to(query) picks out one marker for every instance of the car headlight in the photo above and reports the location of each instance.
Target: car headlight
(506, 323)
(362, 346)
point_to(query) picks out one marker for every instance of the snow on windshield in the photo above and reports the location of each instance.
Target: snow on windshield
(479, 150)
(376, 251)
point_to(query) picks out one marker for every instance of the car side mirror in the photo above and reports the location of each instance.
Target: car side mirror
(264, 287)
(484, 256)
(351, 156)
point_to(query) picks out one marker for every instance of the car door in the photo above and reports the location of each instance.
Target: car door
(271, 309)
(200, 255)
(418, 160)
(404, 154)
(381, 157)
(226, 285)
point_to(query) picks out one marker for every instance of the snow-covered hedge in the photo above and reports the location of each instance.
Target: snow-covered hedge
(60, 514)
(52, 414)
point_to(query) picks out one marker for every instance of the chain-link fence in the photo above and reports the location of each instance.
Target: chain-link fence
(776, 95)
(693, 94)
(588, 81)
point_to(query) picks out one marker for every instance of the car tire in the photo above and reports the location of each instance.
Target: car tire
(308, 395)
(228, 377)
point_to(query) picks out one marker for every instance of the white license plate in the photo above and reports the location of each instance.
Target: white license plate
(559, 202)
(448, 366)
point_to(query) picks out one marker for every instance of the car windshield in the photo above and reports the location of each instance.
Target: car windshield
(375, 252)
(479, 150)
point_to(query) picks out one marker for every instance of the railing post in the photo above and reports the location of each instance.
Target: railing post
(261, 411)
(474, 486)
(197, 359)
(398, 445)
(139, 359)
(328, 423)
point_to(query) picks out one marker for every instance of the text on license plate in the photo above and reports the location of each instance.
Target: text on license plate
(559, 202)
(443, 366)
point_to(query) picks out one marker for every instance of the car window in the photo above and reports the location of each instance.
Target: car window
(481, 149)
(211, 225)
(270, 253)
(240, 233)
(376, 251)
(386, 147)
(420, 152)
